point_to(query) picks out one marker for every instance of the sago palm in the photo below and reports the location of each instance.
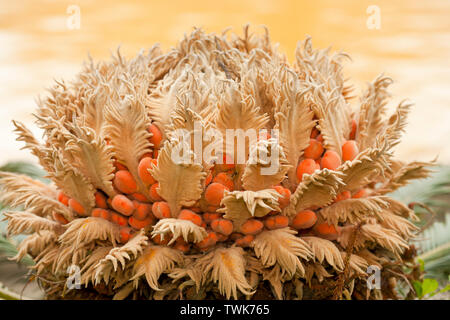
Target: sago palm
(139, 224)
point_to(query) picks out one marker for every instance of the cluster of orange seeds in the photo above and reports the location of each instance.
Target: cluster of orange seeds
(129, 209)
(316, 157)
(133, 211)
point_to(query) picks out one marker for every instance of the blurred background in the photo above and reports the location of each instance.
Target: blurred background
(409, 40)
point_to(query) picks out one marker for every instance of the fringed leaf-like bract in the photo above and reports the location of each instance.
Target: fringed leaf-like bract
(187, 168)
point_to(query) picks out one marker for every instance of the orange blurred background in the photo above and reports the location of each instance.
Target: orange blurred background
(412, 45)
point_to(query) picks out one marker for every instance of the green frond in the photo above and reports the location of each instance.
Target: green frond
(433, 191)
(13, 274)
(8, 249)
(26, 168)
(435, 249)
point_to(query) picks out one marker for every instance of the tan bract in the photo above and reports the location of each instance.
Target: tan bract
(281, 248)
(179, 184)
(101, 120)
(239, 206)
(189, 231)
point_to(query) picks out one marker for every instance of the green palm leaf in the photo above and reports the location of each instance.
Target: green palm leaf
(12, 274)
(433, 191)
(434, 249)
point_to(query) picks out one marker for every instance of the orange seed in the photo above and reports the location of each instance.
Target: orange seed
(330, 160)
(349, 150)
(144, 174)
(214, 193)
(225, 180)
(124, 182)
(222, 226)
(63, 198)
(276, 222)
(100, 200)
(307, 166)
(122, 204)
(156, 138)
(142, 211)
(304, 219)
(209, 217)
(154, 195)
(186, 214)
(245, 241)
(119, 219)
(252, 226)
(209, 241)
(161, 210)
(60, 218)
(326, 231)
(139, 224)
(314, 150)
(77, 207)
(283, 201)
(125, 234)
(101, 213)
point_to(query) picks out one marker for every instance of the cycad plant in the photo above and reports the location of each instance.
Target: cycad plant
(298, 212)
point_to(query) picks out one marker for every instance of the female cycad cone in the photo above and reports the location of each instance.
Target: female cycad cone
(139, 224)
